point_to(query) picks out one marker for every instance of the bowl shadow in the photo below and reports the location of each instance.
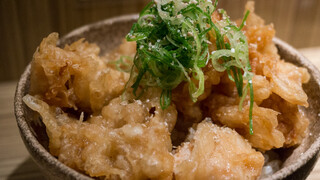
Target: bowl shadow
(27, 170)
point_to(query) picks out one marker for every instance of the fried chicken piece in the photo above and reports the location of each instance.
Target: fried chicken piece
(190, 111)
(49, 115)
(258, 34)
(225, 111)
(120, 112)
(261, 88)
(217, 153)
(74, 77)
(285, 78)
(286, 81)
(133, 151)
(265, 133)
(293, 122)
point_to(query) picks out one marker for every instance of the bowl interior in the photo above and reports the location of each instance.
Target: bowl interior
(109, 34)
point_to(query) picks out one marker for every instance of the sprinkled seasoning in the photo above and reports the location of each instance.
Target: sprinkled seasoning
(173, 39)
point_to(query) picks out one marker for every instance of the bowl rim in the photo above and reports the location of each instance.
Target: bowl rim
(43, 155)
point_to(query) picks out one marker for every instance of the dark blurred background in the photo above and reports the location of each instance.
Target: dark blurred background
(23, 23)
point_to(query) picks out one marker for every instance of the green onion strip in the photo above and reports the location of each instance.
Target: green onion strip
(172, 46)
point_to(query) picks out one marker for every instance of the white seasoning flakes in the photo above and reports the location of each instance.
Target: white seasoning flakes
(75, 66)
(139, 102)
(81, 117)
(174, 55)
(124, 103)
(209, 42)
(255, 46)
(150, 46)
(193, 2)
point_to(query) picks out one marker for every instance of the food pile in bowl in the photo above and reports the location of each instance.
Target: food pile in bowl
(189, 94)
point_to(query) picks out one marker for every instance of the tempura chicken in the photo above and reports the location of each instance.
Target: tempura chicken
(98, 126)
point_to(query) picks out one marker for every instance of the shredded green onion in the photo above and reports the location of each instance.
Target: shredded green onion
(122, 63)
(172, 46)
(235, 57)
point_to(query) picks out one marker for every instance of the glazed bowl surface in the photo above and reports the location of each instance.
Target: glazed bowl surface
(108, 34)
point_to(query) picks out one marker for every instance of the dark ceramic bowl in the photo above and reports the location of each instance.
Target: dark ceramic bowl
(107, 34)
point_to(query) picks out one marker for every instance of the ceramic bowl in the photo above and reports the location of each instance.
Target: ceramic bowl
(298, 162)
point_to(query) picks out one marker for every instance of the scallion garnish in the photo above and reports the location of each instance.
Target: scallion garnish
(172, 47)
(122, 63)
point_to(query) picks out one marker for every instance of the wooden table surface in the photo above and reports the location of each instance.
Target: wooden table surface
(15, 161)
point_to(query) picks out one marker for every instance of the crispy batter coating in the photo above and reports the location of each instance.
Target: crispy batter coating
(286, 81)
(217, 153)
(129, 140)
(265, 133)
(133, 151)
(97, 129)
(293, 122)
(190, 111)
(261, 88)
(273, 125)
(119, 112)
(74, 77)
